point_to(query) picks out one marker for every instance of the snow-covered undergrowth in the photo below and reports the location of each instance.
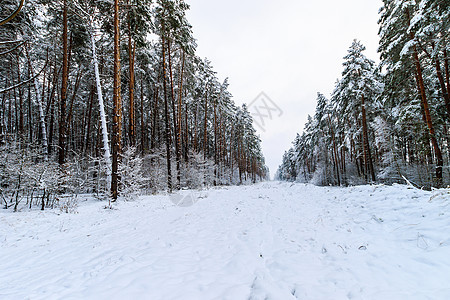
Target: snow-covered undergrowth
(268, 241)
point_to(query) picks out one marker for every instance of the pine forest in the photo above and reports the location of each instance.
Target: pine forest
(387, 122)
(111, 99)
(131, 168)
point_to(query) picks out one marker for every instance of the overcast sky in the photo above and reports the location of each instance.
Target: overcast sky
(288, 49)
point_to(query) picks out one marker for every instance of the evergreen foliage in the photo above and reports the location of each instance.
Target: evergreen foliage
(384, 123)
(169, 99)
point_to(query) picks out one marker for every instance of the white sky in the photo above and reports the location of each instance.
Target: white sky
(289, 49)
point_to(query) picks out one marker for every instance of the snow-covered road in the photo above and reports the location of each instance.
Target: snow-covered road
(268, 241)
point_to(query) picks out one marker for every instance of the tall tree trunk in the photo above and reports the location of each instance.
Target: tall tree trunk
(87, 134)
(447, 72)
(421, 88)
(434, 142)
(166, 116)
(426, 134)
(40, 108)
(143, 126)
(335, 151)
(445, 94)
(72, 101)
(205, 136)
(51, 129)
(155, 125)
(9, 127)
(2, 118)
(21, 124)
(231, 153)
(104, 126)
(65, 78)
(180, 106)
(29, 115)
(175, 120)
(367, 152)
(215, 142)
(117, 107)
(186, 134)
(132, 117)
(195, 129)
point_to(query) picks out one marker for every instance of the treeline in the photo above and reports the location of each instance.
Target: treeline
(386, 123)
(104, 96)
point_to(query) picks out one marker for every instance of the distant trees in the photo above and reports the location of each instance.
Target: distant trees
(384, 127)
(57, 57)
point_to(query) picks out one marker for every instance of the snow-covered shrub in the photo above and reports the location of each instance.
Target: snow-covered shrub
(155, 169)
(68, 204)
(198, 172)
(132, 178)
(95, 178)
(27, 180)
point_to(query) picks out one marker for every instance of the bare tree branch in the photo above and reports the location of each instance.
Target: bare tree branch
(12, 49)
(23, 82)
(13, 15)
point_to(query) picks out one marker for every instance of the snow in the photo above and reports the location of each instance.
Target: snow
(268, 241)
(107, 155)
(406, 47)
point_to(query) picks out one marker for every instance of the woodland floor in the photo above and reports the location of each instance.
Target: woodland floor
(268, 241)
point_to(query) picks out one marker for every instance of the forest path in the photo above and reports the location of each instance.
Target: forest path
(267, 241)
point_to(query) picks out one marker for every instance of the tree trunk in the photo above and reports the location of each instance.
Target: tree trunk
(180, 106)
(65, 78)
(335, 151)
(132, 118)
(215, 142)
(423, 96)
(195, 129)
(2, 118)
(426, 134)
(117, 107)
(21, 125)
(166, 116)
(447, 72)
(155, 127)
(87, 133)
(186, 134)
(51, 129)
(367, 153)
(445, 94)
(72, 100)
(143, 127)
(107, 153)
(29, 114)
(205, 136)
(434, 142)
(40, 108)
(175, 120)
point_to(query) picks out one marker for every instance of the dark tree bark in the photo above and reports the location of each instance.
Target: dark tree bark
(117, 107)
(447, 72)
(429, 121)
(205, 133)
(143, 126)
(175, 120)
(367, 152)
(89, 118)
(132, 115)
(166, 116)
(21, 124)
(180, 106)
(65, 78)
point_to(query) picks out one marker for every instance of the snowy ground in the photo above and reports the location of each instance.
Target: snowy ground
(268, 241)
